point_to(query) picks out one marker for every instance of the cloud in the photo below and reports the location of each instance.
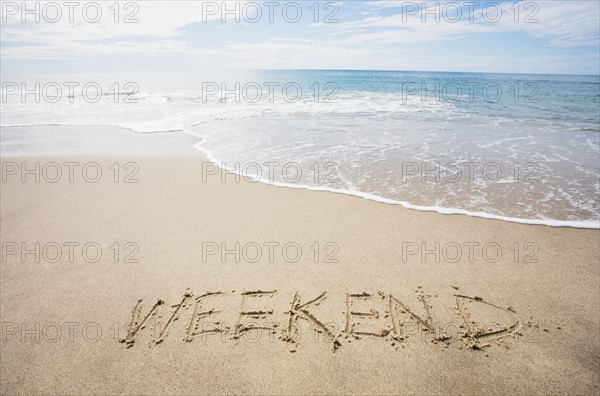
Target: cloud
(377, 40)
(160, 19)
(564, 24)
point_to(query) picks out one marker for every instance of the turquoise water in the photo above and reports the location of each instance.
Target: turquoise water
(523, 147)
(516, 147)
(573, 100)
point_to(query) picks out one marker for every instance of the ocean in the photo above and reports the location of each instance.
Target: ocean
(521, 148)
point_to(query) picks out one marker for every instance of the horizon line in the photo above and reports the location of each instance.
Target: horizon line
(427, 71)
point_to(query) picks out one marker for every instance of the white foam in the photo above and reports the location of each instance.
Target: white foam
(443, 210)
(405, 129)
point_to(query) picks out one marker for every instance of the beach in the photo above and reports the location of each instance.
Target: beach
(273, 290)
(300, 198)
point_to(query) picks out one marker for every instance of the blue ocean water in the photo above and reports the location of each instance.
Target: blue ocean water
(516, 147)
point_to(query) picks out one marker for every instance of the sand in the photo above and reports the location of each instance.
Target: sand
(66, 325)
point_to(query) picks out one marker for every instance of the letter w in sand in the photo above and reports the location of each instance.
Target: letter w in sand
(155, 314)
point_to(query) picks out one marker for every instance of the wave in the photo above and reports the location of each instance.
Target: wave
(583, 224)
(362, 125)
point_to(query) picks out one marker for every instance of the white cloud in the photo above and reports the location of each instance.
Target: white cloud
(370, 42)
(564, 24)
(160, 19)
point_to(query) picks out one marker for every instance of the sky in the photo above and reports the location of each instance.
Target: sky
(545, 37)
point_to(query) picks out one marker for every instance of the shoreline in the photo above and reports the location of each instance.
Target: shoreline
(178, 146)
(578, 224)
(581, 225)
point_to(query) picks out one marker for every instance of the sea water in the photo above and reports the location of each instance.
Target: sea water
(521, 148)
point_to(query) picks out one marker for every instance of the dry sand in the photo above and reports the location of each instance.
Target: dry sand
(63, 322)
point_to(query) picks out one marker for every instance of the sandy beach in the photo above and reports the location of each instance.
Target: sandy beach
(366, 197)
(182, 283)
